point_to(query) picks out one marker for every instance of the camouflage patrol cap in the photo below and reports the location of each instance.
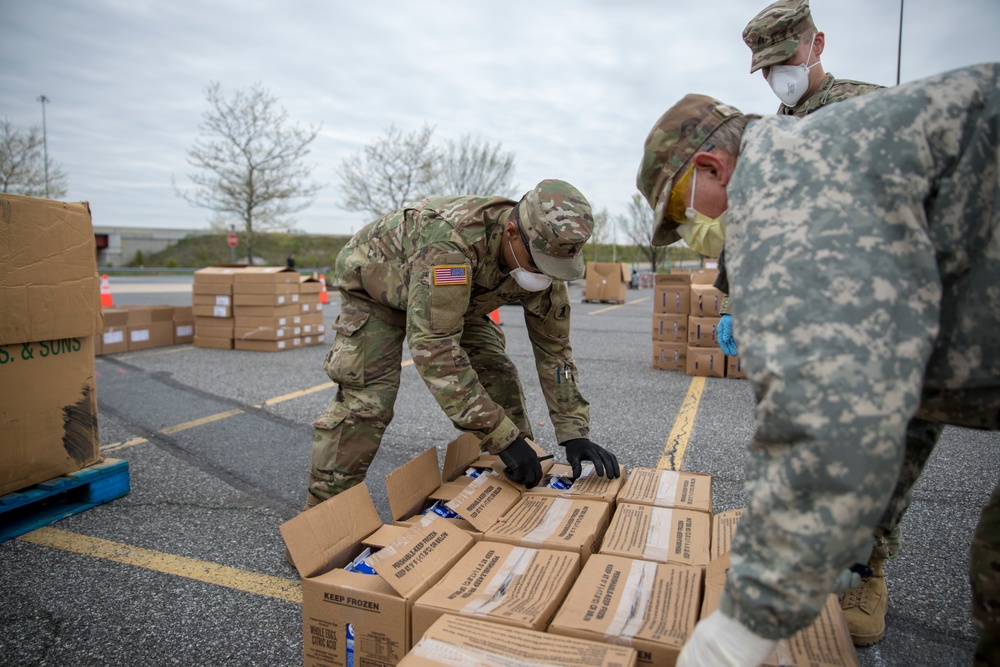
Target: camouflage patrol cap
(773, 35)
(557, 221)
(677, 135)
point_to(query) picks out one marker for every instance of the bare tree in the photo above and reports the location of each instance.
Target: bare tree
(250, 163)
(390, 173)
(602, 232)
(637, 224)
(471, 166)
(22, 163)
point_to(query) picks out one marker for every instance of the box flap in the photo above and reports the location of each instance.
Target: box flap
(221, 275)
(322, 537)
(269, 274)
(485, 500)
(49, 287)
(413, 562)
(409, 485)
(461, 452)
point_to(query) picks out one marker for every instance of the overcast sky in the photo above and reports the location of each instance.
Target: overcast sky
(571, 88)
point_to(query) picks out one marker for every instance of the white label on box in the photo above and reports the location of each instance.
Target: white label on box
(220, 311)
(282, 321)
(295, 298)
(551, 522)
(666, 492)
(296, 319)
(139, 335)
(280, 333)
(308, 340)
(630, 615)
(112, 337)
(305, 308)
(319, 307)
(659, 537)
(221, 300)
(490, 596)
(281, 299)
(186, 330)
(307, 328)
(281, 345)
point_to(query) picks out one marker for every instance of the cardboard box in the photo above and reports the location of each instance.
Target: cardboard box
(242, 288)
(214, 327)
(724, 527)
(705, 361)
(262, 275)
(543, 522)
(668, 488)
(510, 585)
(317, 339)
(825, 643)
(706, 300)
(264, 345)
(670, 356)
(672, 294)
(213, 342)
(220, 276)
(454, 640)
(263, 332)
(410, 488)
(269, 300)
(149, 327)
(211, 309)
(652, 607)
(114, 338)
(49, 316)
(607, 281)
(588, 487)
(377, 608)
(183, 325)
(734, 368)
(703, 331)
(670, 328)
(661, 534)
(310, 285)
(290, 310)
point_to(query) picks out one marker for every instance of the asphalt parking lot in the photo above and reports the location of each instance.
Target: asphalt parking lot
(188, 568)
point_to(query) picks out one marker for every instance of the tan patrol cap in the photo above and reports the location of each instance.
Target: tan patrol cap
(773, 35)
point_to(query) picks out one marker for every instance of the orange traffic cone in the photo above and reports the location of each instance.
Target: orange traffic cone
(495, 316)
(323, 296)
(106, 300)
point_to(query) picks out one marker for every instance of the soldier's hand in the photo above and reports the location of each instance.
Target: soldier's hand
(721, 641)
(522, 463)
(582, 449)
(726, 340)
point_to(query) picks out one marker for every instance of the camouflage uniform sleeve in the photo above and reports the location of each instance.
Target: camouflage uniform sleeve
(548, 320)
(434, 320)
(838, 293)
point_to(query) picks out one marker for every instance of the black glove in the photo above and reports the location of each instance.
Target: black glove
(522, 463)
(581, 449)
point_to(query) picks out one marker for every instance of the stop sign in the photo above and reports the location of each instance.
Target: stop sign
(232, 240)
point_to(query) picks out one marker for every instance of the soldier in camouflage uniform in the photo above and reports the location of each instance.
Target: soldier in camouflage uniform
(783, 35)
(430, 274)
(864, 255)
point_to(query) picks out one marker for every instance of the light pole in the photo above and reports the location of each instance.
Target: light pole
(45, 144)
(899, 48)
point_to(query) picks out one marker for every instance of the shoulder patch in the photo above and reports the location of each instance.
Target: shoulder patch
(451, 274)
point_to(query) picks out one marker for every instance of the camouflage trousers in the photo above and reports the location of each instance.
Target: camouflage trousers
(365, 363)
(984, 576)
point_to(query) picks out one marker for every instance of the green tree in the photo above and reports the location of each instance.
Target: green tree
(249, 163)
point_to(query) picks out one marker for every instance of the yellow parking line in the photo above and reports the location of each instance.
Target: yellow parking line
(157, 561)
(131, 442)
(170, 430)
(296, 394)
(677, 441)
(620, 305)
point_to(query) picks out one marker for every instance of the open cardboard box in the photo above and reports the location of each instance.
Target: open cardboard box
(652, 607)
(662, 534)
(588, 487)
(544, 522)
(510, 585)
(456, 640)
(375, 609)
(724, 525)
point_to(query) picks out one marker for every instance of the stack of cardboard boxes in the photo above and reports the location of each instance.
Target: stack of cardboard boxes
(500, 574)
(606, 281)
(133, 328)
(686, 313)
(50, 319)
(212, 307)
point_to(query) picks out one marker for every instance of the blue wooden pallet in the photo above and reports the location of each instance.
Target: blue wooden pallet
(41, 504)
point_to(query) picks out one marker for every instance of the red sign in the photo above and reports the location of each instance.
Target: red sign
(233, 240)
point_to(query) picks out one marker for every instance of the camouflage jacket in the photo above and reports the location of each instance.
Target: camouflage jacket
(432, 265)
(863, 250)
(830, 90)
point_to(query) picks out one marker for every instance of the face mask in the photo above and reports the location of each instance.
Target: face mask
(790, 82)
(532, 282)
(705, 235)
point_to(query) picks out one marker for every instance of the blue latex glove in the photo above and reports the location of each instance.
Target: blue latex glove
(726, 340)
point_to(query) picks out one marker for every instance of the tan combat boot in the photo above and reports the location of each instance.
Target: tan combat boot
(864, 607)
(311, 501)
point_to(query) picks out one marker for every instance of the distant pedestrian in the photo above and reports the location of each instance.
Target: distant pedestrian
(290, 261)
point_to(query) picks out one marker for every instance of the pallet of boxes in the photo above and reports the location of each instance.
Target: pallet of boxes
(50, 321)
(686, 313)
(261, 308)
(475, 569)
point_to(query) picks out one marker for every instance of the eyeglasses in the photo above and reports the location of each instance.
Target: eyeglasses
(524, 240)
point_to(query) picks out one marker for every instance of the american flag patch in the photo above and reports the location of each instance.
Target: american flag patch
(450, 275)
